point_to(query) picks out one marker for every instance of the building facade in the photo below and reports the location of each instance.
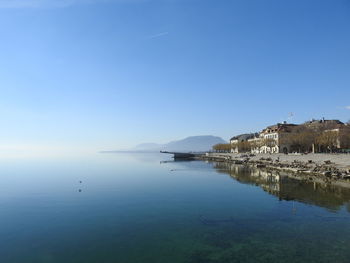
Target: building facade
(275, 138)
(312, 136)
(239, 143)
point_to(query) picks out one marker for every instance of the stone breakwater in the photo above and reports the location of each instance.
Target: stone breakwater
(325, 167)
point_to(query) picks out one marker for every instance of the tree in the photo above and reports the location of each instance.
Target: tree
(244, 146)
(327, 141)
(269, 142)
(300, 139)
(222, 147)
(344, 137)
(256, 144)
(304, 140)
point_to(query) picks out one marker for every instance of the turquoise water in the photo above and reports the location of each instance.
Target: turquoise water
(145, 208)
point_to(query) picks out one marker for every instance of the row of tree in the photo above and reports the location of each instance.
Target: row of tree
(222, 147)
(301, 139)
(304, 139)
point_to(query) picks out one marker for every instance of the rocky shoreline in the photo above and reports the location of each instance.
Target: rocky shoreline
(329, 168)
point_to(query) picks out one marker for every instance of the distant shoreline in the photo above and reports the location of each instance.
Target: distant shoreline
(128, 151)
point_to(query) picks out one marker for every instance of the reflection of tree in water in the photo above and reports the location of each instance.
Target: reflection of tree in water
(288, 188)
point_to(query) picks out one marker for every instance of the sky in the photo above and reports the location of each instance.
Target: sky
(109, 74)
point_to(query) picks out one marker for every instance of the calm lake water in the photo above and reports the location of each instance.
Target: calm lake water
(142, 208)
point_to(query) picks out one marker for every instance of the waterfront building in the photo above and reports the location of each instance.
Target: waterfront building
(239, 142)
(275, 138)
(312, 136)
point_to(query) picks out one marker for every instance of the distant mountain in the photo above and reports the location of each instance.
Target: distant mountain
(190, 144)
(147, 147)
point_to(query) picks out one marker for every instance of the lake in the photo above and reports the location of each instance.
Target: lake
(139, 208)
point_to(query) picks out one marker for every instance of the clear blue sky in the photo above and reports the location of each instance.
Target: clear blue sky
(111, 74)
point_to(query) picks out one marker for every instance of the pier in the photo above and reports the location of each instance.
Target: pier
(180, 155)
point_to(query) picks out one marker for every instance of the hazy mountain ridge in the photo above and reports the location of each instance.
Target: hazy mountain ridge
(147, 146)
(190, 144)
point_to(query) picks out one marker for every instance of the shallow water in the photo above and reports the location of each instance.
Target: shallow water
(138, 208)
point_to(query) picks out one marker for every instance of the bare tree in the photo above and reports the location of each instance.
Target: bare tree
(344, 137)
(244, 146)
(327, 141)
(269, 142)
(256, 143)
(222, 147)
(300, 139)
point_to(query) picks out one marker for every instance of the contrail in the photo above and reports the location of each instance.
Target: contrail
(158, 35)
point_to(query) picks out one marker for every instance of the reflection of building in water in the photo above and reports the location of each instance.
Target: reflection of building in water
(287, 188)
(267, 180)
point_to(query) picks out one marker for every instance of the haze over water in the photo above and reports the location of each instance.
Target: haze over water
(138, 208)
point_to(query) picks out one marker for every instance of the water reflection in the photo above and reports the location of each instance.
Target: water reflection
(132, 209)
(288, 188)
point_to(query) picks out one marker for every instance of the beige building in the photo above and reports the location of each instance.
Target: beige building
(312, 136)
(238, 141)
(269, 140)
(275, 138)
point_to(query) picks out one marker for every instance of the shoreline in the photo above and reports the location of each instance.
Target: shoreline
(327, 168)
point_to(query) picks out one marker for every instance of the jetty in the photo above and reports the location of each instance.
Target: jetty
(182, 155)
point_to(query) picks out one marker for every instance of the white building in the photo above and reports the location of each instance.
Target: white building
(275, 138)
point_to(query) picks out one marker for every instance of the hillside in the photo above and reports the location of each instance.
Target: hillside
(190, 144)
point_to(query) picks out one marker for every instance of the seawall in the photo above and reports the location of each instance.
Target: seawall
(325, 167)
